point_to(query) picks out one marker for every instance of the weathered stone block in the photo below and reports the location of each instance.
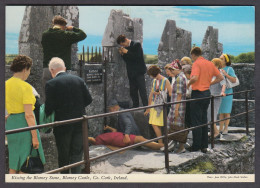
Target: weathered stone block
(210, 46)
(175, 43)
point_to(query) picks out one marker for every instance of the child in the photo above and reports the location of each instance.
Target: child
(215, 90)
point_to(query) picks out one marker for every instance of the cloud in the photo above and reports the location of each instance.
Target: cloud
(14, 17)
(230, 32)
(155, 18)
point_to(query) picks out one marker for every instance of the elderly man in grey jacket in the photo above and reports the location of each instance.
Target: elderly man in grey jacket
(126, 122)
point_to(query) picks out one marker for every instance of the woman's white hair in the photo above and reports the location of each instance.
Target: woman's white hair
(56, 63)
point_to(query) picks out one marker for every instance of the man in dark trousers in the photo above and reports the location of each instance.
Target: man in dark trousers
(126, 123)
(67, 95)
(200, 81)
(132, 54)
(56, 42)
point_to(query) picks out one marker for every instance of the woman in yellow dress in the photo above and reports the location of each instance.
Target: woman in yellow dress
(19, 100)
(160, 87)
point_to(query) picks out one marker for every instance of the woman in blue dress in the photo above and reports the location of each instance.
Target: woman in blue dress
(226, 103)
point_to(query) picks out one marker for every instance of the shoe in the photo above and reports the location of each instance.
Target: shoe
(218, 136)
(204, 150)
(170, 146)
(187, 145)
(182, 151)
(225, 132)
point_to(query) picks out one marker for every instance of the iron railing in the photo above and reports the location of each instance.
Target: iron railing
(85, 119)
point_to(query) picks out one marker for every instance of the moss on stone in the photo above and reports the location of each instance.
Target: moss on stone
(244, 138)
(201, 168)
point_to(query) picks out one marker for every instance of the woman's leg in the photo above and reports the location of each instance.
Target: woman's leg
(151, 145)
(221, 123)
(12, 171)
(158, 132)
(227, 122)
(216, 132)
(20, 172)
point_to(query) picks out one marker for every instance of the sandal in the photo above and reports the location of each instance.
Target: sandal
(218, 136)
(182, 151)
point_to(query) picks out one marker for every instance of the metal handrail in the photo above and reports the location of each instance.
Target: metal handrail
(60, 123)
(85, 118)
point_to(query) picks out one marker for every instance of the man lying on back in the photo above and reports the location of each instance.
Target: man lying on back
(115, 138)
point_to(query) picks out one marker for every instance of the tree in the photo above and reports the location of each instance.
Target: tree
(245, 58)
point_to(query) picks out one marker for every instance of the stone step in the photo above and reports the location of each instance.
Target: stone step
(238, 129)
(232, 137)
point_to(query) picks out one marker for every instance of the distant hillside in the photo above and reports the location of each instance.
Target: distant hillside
(248, 57)
(9, 58)
(150, 59)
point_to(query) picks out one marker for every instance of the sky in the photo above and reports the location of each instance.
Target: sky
(236, 24)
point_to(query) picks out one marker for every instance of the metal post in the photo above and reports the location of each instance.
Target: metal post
(88, 54)
(166, 152)
(83, 66)
(96, 57)
(86, 169)
(80, 66)
(108, 54)
(92, 54)
(212, 132)
(247, 118)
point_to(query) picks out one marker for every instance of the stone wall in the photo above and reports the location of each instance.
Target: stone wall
(246, 75)
(210, 46)
(31, 34)
(97, 106)
(239, 107)
(175, 43)
(8, 72)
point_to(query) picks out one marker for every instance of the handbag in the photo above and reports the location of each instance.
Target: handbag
(160, 99)
(43, 119)
(230, 84)
(33, 165)
(180, 137)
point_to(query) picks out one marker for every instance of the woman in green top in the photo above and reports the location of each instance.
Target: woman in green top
(20, 105)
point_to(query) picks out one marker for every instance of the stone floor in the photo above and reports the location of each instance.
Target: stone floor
(142, 160)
